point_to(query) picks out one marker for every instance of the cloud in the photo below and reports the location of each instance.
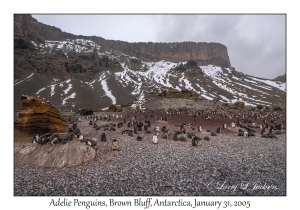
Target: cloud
(255, 43)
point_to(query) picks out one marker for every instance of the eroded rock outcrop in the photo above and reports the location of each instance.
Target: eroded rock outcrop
(59, 155)
(39, 116)
(174, 93)
(114, 108)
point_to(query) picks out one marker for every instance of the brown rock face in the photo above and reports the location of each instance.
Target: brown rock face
(173, 93)
(114, 108)
(204, 53)
(39, 116)
(25, 26)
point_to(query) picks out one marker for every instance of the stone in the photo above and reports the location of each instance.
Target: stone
(39, 116)
(114, 108)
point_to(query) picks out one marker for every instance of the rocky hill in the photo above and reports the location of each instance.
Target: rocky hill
(73, 72)
(281, 78)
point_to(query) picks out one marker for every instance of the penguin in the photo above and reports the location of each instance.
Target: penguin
(182, 138)
(195, 141)
(103, 137)
(134, 130)
(154, 139)
(130, 133)
(89, 142)
(114, 145)
(43, 139)
(175, 137)
(199, 128)
(67, 137)
(125, 131)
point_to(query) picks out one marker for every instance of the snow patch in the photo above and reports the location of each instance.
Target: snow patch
(107, 91)
(71, 96)
(24, 79)
(69, 88)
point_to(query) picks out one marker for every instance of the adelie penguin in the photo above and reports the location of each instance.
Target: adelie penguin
(103, 137)
(154, 139)
(114, 145)
(125, 131)
(130, 133)
(139, 138)
(89, 142)
(134, 130)
(199, 128)
(175, 137)
(43, 139)
(195, 141)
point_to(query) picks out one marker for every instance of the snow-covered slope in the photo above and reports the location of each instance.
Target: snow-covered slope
(134, 86)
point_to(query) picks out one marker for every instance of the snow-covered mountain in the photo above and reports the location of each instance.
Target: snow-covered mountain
(76, 72)
(130, 85)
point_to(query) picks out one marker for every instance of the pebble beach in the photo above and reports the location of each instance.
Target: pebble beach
(226, 165)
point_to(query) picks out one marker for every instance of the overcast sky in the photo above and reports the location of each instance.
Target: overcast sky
(256, 44)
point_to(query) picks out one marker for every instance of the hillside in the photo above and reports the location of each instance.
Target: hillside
(77, 71)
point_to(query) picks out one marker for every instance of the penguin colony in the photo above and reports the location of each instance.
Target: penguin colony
(140, 125)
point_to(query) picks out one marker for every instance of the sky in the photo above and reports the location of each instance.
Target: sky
(256, 44)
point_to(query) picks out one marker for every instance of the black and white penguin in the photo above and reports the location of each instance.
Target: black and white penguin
(114, 145)
(67, 137)
(90, 142)
(103, 137)
(134, 130)
(43, 139)
(195, 141)
(199, 128)
(130, 133)
(182, 138)
(125, 131)
(175, 137)
(154, 139)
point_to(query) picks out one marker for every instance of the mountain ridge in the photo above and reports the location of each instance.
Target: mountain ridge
(74, 72)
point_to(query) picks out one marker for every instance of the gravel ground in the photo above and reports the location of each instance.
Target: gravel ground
(226, 165)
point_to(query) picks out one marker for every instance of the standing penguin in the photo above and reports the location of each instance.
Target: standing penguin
(130, 133)
(195, 141)
(199, 128)
(114, 145)
(134, 130)
(154, 139)
(103, 137)
(175, 137)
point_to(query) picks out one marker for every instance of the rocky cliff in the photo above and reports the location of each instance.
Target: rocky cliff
(75, 72)
(39, 115)
(281, 78)
(28, 28)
